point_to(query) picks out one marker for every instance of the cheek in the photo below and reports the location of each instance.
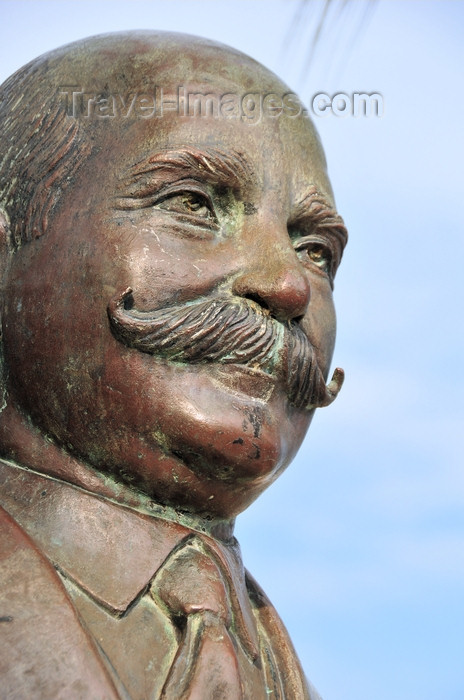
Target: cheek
(319, 322)
(163, 268)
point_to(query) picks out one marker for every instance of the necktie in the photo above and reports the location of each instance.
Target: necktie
(192, 588)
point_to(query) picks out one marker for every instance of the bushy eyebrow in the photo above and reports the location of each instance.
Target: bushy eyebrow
(210, 165)
(316, 208)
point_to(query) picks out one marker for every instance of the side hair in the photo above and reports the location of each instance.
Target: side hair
(40, 149)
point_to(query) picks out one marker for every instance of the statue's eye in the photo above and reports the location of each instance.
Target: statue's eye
(190, 203)
(321, 256)
(311, 249)
(196, 203)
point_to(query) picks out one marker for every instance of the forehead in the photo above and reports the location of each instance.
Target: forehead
(124, 75)
(278, 154)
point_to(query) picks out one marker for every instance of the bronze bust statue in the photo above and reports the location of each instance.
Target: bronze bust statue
(168, 241)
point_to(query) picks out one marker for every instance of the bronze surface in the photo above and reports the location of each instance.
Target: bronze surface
(167, 331)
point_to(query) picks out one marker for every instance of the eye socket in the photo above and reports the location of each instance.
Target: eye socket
(321, 256)
(189, 203)
(316, 252)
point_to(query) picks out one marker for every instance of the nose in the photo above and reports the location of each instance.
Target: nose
(276, 279)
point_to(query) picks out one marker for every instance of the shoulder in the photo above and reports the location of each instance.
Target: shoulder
(45, 651)
(273, 632)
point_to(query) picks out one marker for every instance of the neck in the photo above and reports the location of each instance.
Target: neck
(22, 444)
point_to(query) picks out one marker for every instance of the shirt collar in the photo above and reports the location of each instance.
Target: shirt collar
(109, 550)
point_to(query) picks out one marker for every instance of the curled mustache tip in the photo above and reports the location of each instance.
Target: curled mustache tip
(121, 298)
(118, 303)
(331, 390)
(334, 385)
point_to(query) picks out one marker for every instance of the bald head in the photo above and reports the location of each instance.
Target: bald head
(52, 110)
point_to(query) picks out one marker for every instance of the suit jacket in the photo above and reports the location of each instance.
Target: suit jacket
(78, 617)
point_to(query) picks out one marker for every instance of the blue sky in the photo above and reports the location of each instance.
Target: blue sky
(360, 543)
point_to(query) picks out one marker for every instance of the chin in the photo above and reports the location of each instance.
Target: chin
(222, 454)
(227, 432)
(208, 439)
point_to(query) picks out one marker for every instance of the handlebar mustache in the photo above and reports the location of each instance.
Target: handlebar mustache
(229, 330)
